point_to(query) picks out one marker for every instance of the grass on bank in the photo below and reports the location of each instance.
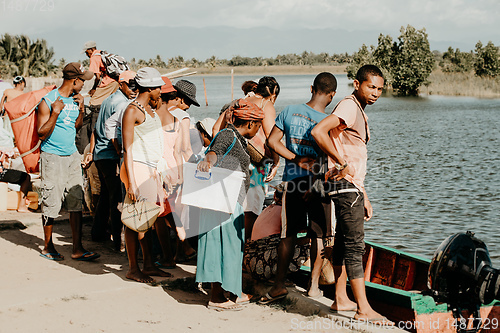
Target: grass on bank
(462, 84)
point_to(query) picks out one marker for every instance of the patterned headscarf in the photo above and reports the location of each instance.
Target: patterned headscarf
(244, 110)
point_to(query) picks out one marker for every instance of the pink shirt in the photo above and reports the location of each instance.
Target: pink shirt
(350, 138)
(98, 67)
(169, 139)
(268, 223)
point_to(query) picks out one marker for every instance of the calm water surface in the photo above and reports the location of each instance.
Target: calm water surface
(433, 167)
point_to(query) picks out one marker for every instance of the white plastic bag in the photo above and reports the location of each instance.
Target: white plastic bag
(216, 190)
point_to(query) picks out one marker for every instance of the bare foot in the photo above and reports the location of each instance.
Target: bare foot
(314, 292)
(23, 210)
(139, 277)
(373, 317)
(155, 271)
(86, 256)
(346, 305)
(166, 264)
(244, 299)
(277, 292)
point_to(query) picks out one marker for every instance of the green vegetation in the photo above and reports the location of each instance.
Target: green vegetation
(455, 61)
(406, 63)
(462, 84)
(21, 56)
(487, 60)
(303, 59)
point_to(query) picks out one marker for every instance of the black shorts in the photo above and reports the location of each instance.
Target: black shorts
(13, 176)
(300, 212)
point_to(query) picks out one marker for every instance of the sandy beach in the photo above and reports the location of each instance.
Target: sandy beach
(38, 295)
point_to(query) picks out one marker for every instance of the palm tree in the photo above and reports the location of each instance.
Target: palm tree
(20, 56)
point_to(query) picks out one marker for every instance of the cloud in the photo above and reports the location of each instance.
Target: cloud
(446, 15)
(446, 21)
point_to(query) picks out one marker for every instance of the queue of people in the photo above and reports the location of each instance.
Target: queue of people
(141, 136)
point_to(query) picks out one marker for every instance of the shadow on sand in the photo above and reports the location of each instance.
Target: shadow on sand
(110, 261)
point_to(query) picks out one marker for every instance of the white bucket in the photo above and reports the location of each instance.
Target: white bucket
(216, 190)
(3, 196)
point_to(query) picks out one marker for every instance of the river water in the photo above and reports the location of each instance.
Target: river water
(433, 165)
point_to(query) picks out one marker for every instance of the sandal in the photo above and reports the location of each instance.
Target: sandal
(226, 306)
(270, 299)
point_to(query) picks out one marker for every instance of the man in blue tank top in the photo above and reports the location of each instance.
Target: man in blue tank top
(60, 114)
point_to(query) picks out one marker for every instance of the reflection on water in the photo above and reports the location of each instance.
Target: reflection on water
(433, 168)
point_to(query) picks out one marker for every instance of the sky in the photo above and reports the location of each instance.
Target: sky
(225, 28)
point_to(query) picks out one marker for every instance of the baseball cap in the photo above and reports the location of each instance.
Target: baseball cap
(75, 70)
(88, 45)
(126, 76)
(167, 87)
(187, 89)
(149, 77)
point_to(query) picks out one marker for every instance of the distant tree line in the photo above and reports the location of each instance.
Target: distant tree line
(484, 60)
(305, 58)
(406, 62)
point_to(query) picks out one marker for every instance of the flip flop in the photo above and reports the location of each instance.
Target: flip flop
(52, 256)
(87, 256)
(244, 302)
(222, 307)
(159, 265)
(269, 299)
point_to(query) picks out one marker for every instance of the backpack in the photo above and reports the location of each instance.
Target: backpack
(114, 63)
(23, 118)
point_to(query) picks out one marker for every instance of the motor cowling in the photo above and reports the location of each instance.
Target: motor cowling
(461, 272)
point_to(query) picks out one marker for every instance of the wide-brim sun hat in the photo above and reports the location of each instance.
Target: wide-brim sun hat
(149, 77)
(207, 124)
(187, 89)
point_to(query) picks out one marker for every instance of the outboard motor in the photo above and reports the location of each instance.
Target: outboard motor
(461, 275)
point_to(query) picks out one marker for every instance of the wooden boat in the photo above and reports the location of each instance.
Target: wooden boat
(396, 286)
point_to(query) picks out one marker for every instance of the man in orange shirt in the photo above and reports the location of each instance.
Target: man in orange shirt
(104, 86)
(343, 136)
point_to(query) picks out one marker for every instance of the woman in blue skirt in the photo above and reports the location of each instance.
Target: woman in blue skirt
(220, 249)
